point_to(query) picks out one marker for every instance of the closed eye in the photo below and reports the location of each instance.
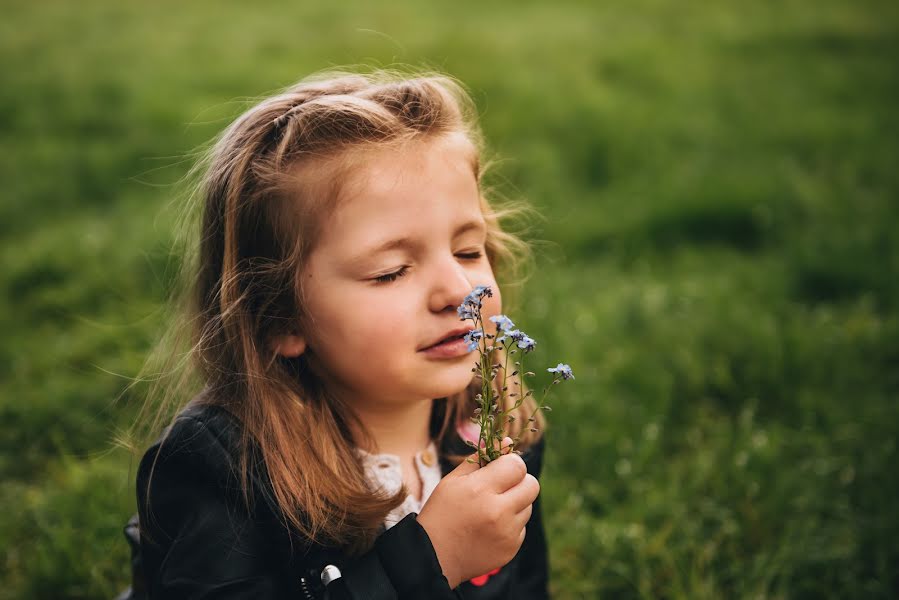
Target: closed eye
(469, 255)
(388, 277)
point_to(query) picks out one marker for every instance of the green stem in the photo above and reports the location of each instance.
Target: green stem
(486, 433)
(542, 402)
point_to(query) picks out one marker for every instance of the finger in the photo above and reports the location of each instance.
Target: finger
(506, 445)
(519, 521)
(521, 518)
(506, 441)
(524, 494)
(503, 473)
(465, 467)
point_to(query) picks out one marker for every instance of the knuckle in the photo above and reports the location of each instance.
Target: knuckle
(494, 515)
(518, 465)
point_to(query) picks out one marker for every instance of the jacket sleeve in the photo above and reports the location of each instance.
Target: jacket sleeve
(199, 539)
(402, 565)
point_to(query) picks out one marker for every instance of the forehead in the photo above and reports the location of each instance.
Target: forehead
(383, 170)
(403, 189)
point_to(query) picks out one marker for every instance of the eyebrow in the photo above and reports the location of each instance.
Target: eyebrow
(407, 242)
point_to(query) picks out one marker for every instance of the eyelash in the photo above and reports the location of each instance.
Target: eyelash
(391, 276)
(401, 272)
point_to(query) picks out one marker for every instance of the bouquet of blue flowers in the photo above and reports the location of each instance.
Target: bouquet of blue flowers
(492, 413)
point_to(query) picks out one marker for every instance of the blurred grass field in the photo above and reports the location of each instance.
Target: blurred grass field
(719, 267)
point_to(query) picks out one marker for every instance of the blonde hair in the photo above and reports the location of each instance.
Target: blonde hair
(260, 213)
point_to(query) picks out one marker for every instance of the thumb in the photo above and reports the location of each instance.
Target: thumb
(470, 464)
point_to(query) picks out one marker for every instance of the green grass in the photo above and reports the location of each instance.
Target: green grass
(720, 188)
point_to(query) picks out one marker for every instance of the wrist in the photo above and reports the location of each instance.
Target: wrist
(410, 561)
(446, 565)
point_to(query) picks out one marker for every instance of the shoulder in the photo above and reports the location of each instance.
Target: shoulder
(205, 424)
(196, 455)
(199, 536)
(193, 470)
(200, 433)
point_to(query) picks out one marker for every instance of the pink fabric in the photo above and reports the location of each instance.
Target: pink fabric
(482, 580)
(469, 431)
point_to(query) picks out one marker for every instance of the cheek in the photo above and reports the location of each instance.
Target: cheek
(362, 329)
(492, 306)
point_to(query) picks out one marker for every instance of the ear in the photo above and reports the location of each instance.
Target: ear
(289, 346)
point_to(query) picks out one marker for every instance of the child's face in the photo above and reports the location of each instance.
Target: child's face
(370, 335)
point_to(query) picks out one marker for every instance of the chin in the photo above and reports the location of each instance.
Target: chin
(451, 383)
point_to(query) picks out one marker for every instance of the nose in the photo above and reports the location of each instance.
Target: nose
(449, 286)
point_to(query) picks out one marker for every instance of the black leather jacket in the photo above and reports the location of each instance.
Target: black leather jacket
(203, 542)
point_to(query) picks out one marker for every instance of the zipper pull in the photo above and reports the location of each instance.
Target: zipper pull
(330, 573)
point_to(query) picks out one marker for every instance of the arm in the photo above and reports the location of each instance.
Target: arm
(402, 564)
(200, 540)
(195, 539)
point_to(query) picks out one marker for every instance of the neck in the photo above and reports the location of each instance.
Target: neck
(399, 430)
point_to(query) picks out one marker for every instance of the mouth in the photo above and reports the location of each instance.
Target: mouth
(451, 336)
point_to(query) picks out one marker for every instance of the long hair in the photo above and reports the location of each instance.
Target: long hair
(260, 208)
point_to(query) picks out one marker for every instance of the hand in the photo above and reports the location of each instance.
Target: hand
(476, 516)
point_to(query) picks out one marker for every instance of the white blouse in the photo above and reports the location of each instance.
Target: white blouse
(383, 471)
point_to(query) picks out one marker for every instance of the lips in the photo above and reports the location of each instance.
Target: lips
(453, 334)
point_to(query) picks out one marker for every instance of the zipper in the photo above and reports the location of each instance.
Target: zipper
(304, 587)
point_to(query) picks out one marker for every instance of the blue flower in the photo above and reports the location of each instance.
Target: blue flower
(504, 322)
(472, 338)
(563, 370)
(526, 343)
(514, 335)
(471, 305)
(466, 311)
(482, 290)
(474, 297)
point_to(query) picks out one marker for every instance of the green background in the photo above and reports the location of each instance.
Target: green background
(718, 263)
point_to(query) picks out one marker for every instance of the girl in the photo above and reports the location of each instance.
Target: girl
(342, 225)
